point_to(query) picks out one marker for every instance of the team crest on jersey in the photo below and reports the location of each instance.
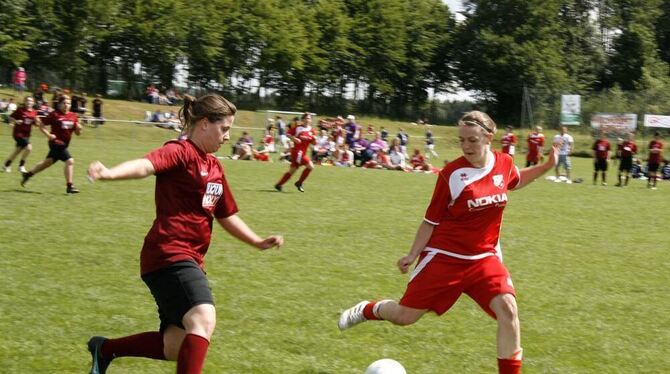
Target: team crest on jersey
(464, 176)
(498, 181)
(212, 195)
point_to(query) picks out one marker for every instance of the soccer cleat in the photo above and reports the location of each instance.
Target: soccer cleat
(278, 187)
(299, 187)
(72, 189)
(604, 183)
(352, 316)
(24, 178)
(23, 169)
(7, 169)
(99, 364)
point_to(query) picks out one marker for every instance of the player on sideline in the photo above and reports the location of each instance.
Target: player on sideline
(302, 136)
(601, 154)
(654, 160)
(63, 123)
(627, 149)
(508, 141)
(23, 120)
(457, 244)
(191, 191)
(535, 142)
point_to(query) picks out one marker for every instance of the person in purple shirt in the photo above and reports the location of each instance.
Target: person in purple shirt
(360, 150)
(351, 129)
(377, 144)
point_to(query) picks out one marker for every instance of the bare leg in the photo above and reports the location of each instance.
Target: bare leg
(69, 170)
(398, 314)
(509, 332)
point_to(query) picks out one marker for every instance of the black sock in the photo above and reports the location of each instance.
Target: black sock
(7, 163)
(22, 162)
(69, 185)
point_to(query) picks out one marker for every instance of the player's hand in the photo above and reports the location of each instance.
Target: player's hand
(97, 171)
(405, 262)
(270, 242)
(553, 155)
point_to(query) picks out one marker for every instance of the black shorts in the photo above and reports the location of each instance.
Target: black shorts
(21, 142)
(58, 152)
(176, 289)
(600, 164)
(652, 167)
(626, 163)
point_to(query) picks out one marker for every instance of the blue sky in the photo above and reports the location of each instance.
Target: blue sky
(454, 5)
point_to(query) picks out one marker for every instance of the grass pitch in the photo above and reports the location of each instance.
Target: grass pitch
(589, 262)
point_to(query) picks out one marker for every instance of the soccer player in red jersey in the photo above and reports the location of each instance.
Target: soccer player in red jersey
(302, 136)
(508, 142)
(457, 244)
(63, 123)
(535, 142)
(601, 154)
(191, 191)
(626, 151)
(23, 119)
(654, 161)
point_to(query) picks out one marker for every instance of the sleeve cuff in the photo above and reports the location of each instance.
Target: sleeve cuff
(431, 222)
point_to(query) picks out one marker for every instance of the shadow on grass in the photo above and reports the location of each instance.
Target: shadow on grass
(17, 190)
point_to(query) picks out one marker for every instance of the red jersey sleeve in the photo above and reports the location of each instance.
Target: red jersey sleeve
(167, 157)
(226, 206)
(440, 201)
(514, 177)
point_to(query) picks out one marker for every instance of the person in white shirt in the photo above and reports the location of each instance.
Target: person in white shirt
(565, 143)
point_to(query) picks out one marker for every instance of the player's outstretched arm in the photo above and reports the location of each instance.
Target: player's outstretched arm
(133, 169)
(529, 174)
(422, 237)
(237, 228)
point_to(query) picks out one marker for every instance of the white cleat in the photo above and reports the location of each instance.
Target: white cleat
(6, 169)
(352, 316)
(22, 169)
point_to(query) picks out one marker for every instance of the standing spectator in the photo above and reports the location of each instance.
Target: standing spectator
(281, 131)
(535, 142)
(23, 119)
(508, 141)
(301, 136)
(351, 129)
(404, 140)
(63, 123)
(384, 133)
(418, 161)
(20, 78)
(191, 192)
(654, 161)
(626, 152)
(565, 143)
(601, 154)
(457, 244)
(99, 119)
(430, 144)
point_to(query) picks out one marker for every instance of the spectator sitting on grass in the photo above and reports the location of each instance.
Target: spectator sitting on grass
(665, 171)
(261, 153)
(344, 156)
(242, 150)
(322, 148)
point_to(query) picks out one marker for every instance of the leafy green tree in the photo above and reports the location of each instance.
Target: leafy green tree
(17, 33)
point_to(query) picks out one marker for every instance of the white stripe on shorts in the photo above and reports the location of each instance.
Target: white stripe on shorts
(422, 264)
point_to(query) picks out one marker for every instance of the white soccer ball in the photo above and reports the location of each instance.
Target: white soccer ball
(385, 366)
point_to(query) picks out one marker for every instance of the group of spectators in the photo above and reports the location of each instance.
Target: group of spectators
(341, 142)
(162, 95)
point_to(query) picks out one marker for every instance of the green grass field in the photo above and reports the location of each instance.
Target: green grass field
(590, 264)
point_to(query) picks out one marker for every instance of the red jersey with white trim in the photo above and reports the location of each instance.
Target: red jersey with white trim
(602, 149)
(62, 125)
(191, 190)
(307, 136)
(417, 160)
(467, 205)
(627, 149)
(508, 141)
(535, 143)
(27, 118)
(655, 158)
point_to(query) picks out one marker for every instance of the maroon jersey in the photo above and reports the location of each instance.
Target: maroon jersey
(627, 149)
(27, 118)
(62, 125)
(602, 148)
(191, 190)
(655, 158)
(467, 206)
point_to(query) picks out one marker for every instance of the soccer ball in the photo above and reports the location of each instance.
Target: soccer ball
(385, 366)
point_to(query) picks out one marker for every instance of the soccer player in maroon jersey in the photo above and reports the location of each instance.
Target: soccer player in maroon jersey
(191, 191)
(508, 142)
(535, 142)
(626, 151)
(654, 161)
(63, 123)
(302, 136)
(601, 154)
(23, 119)
(457, 244)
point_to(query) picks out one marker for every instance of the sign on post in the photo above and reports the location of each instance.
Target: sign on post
(570, 110)
(653, 120)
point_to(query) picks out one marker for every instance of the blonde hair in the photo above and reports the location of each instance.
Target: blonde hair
(477, 118)
(211, 106)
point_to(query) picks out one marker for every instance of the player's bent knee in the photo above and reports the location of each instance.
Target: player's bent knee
(70, 161)
(200, 320)
(505, 308)
(173, 336)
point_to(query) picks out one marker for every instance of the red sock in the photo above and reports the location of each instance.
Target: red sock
(368, 313)
(511, 365)
(304, 175)
(146, 344)
(284, 178)
(192, 354)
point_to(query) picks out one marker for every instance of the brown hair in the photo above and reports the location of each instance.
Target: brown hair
(210, 106)
(477, 118)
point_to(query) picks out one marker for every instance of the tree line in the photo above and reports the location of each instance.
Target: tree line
(312, 52)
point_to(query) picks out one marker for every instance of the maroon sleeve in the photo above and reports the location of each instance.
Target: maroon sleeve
(168, 157)
(17, 114)
(226, 206)
(440, 201)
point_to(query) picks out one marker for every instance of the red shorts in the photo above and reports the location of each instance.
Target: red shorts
(262, 157)
(299, 158)
(439, 280)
